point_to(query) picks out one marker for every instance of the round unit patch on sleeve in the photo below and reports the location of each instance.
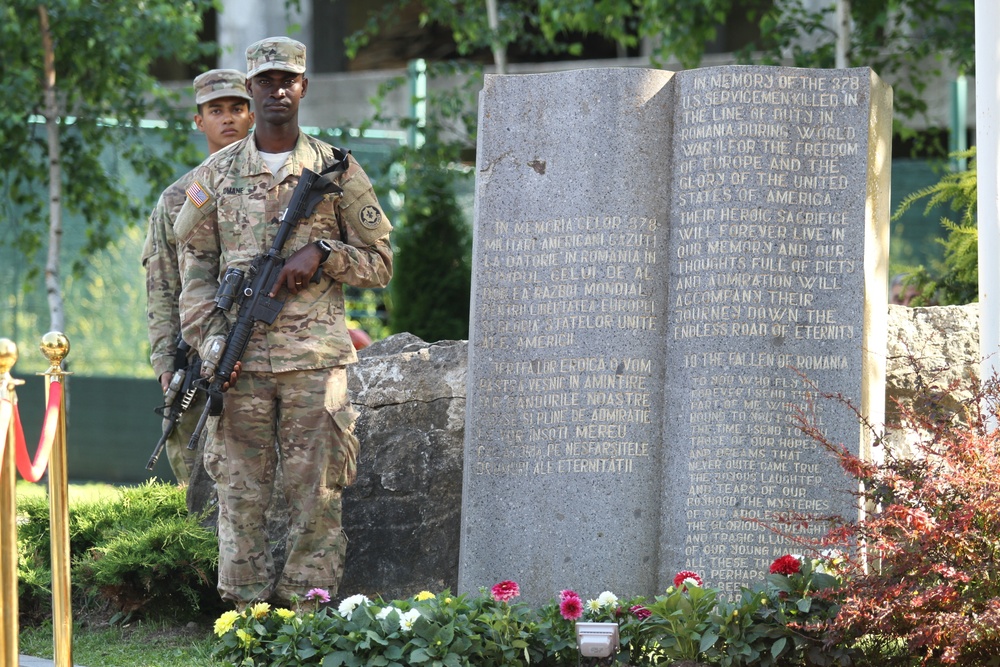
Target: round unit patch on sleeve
(370, 217)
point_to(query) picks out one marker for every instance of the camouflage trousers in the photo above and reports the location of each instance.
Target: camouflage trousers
(309, 416)
(183, 460)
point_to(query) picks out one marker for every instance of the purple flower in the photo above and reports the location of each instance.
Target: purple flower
(318, 594)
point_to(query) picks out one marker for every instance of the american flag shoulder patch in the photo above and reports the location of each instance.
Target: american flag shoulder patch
(197, 194)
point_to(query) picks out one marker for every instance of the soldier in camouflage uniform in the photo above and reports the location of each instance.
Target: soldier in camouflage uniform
(293, 383)
(224, 116)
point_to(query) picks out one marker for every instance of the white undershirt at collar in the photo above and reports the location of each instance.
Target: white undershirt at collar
(275, 161)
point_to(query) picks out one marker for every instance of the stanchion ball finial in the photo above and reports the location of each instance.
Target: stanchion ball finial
(8, 355)
(55, 347)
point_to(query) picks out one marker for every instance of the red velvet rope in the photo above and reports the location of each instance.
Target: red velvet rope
(33, 470)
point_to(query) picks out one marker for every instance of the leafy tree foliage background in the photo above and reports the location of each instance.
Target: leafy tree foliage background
(111, 164)
(905, 41)
(104, 54)
(431, 290)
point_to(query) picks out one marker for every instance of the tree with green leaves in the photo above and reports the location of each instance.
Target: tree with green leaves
(77, 81)
(906, 41)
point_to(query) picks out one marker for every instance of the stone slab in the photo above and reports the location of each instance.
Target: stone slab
(653, 252)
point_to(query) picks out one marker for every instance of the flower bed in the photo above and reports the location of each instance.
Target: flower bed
(777, 621)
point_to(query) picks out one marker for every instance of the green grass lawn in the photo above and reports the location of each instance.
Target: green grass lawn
(96, 642)
(131, 645)
(88, 492)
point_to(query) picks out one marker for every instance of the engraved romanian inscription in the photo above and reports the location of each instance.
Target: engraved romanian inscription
(551, 283)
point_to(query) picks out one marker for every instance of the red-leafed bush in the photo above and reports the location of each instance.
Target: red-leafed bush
(922, 571)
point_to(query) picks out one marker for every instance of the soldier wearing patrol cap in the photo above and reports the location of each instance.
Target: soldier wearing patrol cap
(292, 385)
(224, 116)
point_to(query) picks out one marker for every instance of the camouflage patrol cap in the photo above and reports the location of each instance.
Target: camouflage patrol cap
(280, 53)
(216, 83)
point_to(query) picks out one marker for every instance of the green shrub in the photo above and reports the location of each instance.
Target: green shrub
(139, 552)
(956, 280)
(432, 281)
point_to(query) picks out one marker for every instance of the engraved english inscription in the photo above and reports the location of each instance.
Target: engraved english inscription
(764, 241)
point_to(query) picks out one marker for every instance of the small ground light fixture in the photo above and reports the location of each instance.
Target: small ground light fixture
(597, 643)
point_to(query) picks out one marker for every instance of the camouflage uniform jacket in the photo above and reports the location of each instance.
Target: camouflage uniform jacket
(163, 280)
(240, 204)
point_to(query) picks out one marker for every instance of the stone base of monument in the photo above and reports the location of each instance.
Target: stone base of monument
(402, 514)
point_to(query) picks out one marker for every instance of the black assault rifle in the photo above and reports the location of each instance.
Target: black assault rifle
(178, 397)
(250, 289)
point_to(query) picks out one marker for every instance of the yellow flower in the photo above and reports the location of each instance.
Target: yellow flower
(224, 623)
(245, 637)
(424, 595)
(736, 612)
(447, 600)
(285, 613)
(763, 601)
(260, 610)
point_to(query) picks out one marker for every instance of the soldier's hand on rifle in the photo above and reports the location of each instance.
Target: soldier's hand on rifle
(165, 380)
(298, 270)
(234, 376)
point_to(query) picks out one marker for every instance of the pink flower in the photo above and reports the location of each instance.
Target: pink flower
(318, 594)
(680, 579)
(786, 565)
(571, 608)
(505, 591)
(567, 594)
(640, 612)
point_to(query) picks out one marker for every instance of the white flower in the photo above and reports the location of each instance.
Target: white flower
(691, 582)
(607, 599)
(408, 618)
(594, 605)
(385, 612)
(348, 606)
(828, 559)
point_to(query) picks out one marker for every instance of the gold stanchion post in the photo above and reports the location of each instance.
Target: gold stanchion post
(8, 513)
(55, 346)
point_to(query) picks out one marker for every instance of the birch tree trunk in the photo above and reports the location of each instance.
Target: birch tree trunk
(53, 290)
(499, 51)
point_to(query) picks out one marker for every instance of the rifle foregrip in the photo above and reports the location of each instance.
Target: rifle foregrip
(235, 347)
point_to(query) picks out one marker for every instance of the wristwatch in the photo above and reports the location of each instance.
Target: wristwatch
(324, 248)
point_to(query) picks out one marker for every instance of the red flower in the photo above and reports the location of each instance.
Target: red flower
(571, 608)
(684, 575)
(567, 594)
(786, 565)
(640, 612)
(505, 591)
